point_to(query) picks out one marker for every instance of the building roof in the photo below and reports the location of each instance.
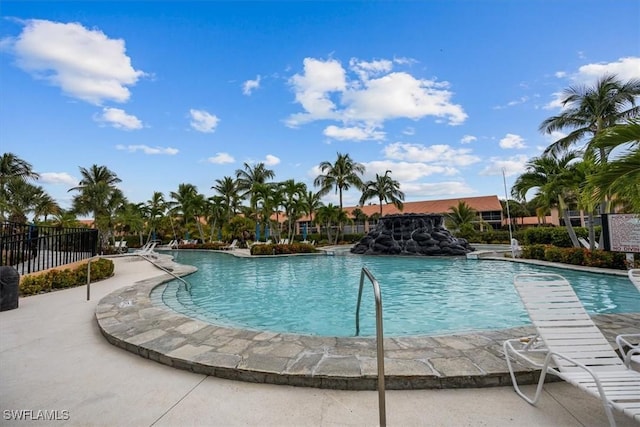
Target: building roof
(480, 204)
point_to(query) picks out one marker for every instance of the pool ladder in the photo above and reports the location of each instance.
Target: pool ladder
(379, 338)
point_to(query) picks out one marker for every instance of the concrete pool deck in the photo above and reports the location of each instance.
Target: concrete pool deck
(53, 357)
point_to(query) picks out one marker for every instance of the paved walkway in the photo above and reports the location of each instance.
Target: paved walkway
(54, 358)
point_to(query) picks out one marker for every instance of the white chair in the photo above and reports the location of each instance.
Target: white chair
(634, 276)
(568, 344)
(232, 246)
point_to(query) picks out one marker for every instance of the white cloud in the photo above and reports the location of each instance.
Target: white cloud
(202, 121)
(438, 154)
(365, 69)
(431, 190)
(118, 119)
(353, 133)
(58, 178)
(85, 64)
(271, 160)
(313, 88)
(250, 85)
(406, 171)
(467, 139)
(511, 166)
(409, 131)
(512, 141)
(221, 158)
(325, 92)
(148, 150)
(624, 68)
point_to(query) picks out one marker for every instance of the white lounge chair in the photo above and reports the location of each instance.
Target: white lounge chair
(147, 249)
(568, 344)
(629, 344)
(232, 246)
(634, 276)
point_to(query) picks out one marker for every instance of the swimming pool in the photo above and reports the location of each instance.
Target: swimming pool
(317, 295)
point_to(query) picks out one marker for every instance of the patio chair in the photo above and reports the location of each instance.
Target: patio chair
(634, 276)
(569, 344)
(232, 246)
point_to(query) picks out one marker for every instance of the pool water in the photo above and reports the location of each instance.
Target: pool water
(317, 295)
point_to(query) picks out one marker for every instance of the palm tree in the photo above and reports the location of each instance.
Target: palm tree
(293, 193)
(227, 188)
(190, 204)
(45, 205)
(96, 197)
(249, 177)
(12, 167)
(311, 202)
(385, 189)
(620, 176)
(555, 182)
(331, 216)
(340, 175)
(462, 217)
(588, 112)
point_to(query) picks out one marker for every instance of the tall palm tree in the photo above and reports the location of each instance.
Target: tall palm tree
(555, 182)
(45, 205)
(340, 175)
(331, 216)
(588, 112)
(190, 205)
(12, 167)
(293, 193)
(96, 197)
(227, 188)
(385, 189)
(311, 202)
(249, 177)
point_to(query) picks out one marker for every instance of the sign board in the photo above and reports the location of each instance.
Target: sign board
(621, 232)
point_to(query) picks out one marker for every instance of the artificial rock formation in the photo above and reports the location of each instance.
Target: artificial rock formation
(411, 234)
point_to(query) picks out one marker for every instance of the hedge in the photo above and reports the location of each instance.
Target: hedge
(278, 249)
(576, 256)
(65, 278)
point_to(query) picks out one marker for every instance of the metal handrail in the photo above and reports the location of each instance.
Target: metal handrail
(187, 285)
(379, 338)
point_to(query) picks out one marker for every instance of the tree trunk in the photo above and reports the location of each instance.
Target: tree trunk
(570, 230)
(592, 232)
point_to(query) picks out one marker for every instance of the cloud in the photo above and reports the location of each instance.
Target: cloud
(624, 68)
(85, 64)
(118, 119)
(353, 133)
(511, 166)
(512, 141)
(431, 190)
(409, 131)
(148, 150)
(438, 154)
(271, 160)
(203, 121)
(467, 139)
(250, 85)
(58, 178)
(406, 171)
(221, 158)
(325, 91)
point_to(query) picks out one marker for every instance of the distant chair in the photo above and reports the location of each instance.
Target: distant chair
(121, 246)
(584, 242)
(232, 246)
(515, 247)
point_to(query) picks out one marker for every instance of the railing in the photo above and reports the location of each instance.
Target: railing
(379, 338)
(30, 248)
(146, 257)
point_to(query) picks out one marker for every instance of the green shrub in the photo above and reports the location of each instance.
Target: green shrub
(278, 249)
(553, 254)
(533, 252)
(574, 256)
(65, 278)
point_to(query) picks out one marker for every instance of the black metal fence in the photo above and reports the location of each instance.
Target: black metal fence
(30, 248)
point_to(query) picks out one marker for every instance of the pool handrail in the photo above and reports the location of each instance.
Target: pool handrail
(379, 338)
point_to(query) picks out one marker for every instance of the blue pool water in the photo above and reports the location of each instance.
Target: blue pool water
(317, 295)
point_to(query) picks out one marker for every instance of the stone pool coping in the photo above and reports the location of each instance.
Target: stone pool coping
(129, 319)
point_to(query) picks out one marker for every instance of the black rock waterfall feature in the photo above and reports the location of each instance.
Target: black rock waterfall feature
(411, 234)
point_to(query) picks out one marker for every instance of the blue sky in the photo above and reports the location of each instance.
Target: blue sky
(445, 94)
